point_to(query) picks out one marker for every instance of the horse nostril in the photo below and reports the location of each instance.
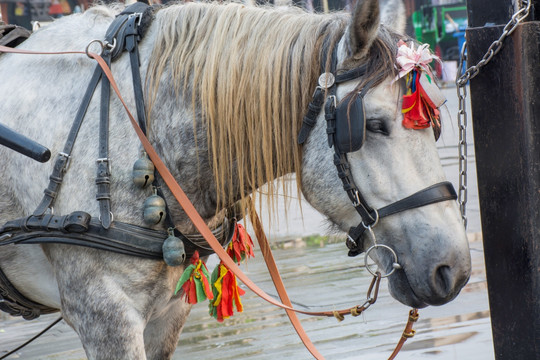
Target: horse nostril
(443, 281)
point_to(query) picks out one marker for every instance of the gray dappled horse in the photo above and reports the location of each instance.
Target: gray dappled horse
(226, 87)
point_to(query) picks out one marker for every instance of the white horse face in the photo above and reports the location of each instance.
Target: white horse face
(430, 241)
(394, 162)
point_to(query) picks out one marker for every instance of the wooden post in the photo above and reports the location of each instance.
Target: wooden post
(505, 99)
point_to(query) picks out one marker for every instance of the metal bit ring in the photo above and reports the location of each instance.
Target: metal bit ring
(395, 264)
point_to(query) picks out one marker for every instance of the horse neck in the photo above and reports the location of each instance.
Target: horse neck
(244, 77)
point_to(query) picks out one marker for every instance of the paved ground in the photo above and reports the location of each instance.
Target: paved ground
(323, 276)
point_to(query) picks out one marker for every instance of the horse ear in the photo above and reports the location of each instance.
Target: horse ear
(364, 27)
(393, 15)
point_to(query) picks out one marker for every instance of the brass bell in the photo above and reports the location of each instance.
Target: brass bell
(174, 253)
(154, 209)
(143, 171)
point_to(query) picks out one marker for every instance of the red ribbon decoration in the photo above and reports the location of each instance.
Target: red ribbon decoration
(418, 110)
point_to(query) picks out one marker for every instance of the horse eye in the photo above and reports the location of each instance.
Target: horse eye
(377, 126)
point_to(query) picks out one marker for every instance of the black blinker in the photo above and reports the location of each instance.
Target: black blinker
(350, 125)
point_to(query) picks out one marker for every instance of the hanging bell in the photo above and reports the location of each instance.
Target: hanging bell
(143, 171)
(174, 253)
(154, 209)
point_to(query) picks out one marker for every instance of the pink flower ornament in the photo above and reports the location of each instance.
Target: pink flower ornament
(409, 58)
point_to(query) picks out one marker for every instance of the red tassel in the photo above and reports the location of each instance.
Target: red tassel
(416, 109)
(241, 245)
(225, 288)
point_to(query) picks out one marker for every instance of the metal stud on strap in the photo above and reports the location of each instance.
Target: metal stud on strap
(326, 80)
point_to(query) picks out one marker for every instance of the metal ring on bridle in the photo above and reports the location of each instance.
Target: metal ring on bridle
(395, 264)
(374, 222)
(101, 45)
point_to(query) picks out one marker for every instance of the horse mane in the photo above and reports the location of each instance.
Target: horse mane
(250, 73)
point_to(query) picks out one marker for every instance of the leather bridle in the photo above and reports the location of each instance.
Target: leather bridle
(325, 94)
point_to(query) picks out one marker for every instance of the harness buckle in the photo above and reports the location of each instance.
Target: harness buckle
(68, 160)
(106, 161)
(110, 47)
(110, 214)
(354, 244)
(334, 98)
(138, 16)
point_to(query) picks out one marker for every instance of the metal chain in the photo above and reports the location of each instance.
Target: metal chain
(462, 79)
(496, 46)
(462, 144)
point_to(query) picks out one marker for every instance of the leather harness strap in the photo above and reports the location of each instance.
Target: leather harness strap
(62, 161)
(433, 194)
(16, 304)
(80, 229)
(103, 176)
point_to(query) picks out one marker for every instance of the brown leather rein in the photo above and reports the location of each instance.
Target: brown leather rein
(205, 231)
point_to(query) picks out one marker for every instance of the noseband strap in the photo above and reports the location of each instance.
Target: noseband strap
(433, 194)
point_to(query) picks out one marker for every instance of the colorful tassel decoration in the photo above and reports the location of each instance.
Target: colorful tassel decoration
(241, 245)
(224, 284)
(226, 292)
(418, 111)
(423, 97)
(194, 281)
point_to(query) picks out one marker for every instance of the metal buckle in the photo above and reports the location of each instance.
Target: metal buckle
(354, 243)
(68, 160)
(333, 97)
(5, 237)
(137, 15)
(110, 47)
(112, 216)
(105, 160)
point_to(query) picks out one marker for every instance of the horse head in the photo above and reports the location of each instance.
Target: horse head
(393, 162)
